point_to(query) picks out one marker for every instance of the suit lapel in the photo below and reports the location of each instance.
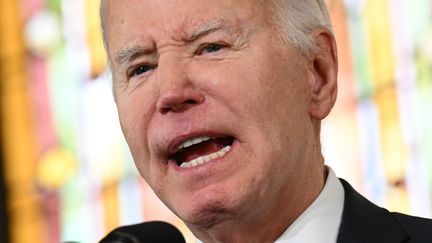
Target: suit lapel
(364, 222)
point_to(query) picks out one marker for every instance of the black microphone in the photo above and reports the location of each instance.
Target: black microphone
(152, 232)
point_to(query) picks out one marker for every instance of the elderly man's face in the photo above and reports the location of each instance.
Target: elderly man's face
(214, 106)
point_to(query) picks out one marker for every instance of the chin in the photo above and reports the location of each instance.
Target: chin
(205, 213)
(209, 217)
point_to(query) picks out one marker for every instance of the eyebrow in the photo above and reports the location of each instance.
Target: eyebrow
(130, 53)
(206, 28)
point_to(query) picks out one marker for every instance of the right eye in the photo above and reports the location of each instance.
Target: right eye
(138, 70)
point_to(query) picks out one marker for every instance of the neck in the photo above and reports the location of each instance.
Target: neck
(269, 221)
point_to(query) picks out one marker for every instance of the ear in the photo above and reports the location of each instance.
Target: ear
(324, 66)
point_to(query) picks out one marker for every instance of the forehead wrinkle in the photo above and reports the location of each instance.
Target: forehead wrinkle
(128, 54)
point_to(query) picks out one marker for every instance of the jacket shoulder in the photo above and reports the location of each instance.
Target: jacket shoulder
(418, 229)
(363, 221)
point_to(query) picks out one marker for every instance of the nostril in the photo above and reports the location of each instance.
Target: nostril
(165, 110)
(191, 102)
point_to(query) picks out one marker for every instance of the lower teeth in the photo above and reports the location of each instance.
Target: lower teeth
(204, 159)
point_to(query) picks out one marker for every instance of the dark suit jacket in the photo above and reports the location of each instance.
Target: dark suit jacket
(363, 221)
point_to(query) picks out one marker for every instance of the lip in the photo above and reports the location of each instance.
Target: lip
(175, 143)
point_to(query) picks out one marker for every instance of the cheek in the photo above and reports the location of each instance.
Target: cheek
(231, 82)
(132, 112)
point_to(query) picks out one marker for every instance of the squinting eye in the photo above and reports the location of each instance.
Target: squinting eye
(213, 47)
(140, 70)
(209, 48)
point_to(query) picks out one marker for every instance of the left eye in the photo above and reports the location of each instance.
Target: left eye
(213, 48)
(210, 48)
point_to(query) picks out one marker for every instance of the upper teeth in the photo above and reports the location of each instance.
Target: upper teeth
(191, 142)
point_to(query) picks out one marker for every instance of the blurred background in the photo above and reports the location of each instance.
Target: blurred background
(66, 173)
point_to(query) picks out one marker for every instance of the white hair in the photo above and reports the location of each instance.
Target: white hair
(296, 19)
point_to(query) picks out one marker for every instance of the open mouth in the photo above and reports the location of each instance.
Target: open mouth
(200, 150)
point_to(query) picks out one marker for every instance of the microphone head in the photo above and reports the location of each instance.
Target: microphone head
(152, 232)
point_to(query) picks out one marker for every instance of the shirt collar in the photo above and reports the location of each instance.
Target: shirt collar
(320, 221)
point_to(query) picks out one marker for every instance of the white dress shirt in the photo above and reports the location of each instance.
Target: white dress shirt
(320, 221)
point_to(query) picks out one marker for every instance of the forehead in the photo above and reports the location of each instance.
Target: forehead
(129, 18)
(164, 9)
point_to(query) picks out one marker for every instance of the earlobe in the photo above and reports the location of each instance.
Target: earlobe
(324, 66)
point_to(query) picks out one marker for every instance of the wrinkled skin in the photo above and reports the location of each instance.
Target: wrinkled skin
(236, 78)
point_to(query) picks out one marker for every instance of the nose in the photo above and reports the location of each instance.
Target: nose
(179, 100)
(178, 91)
